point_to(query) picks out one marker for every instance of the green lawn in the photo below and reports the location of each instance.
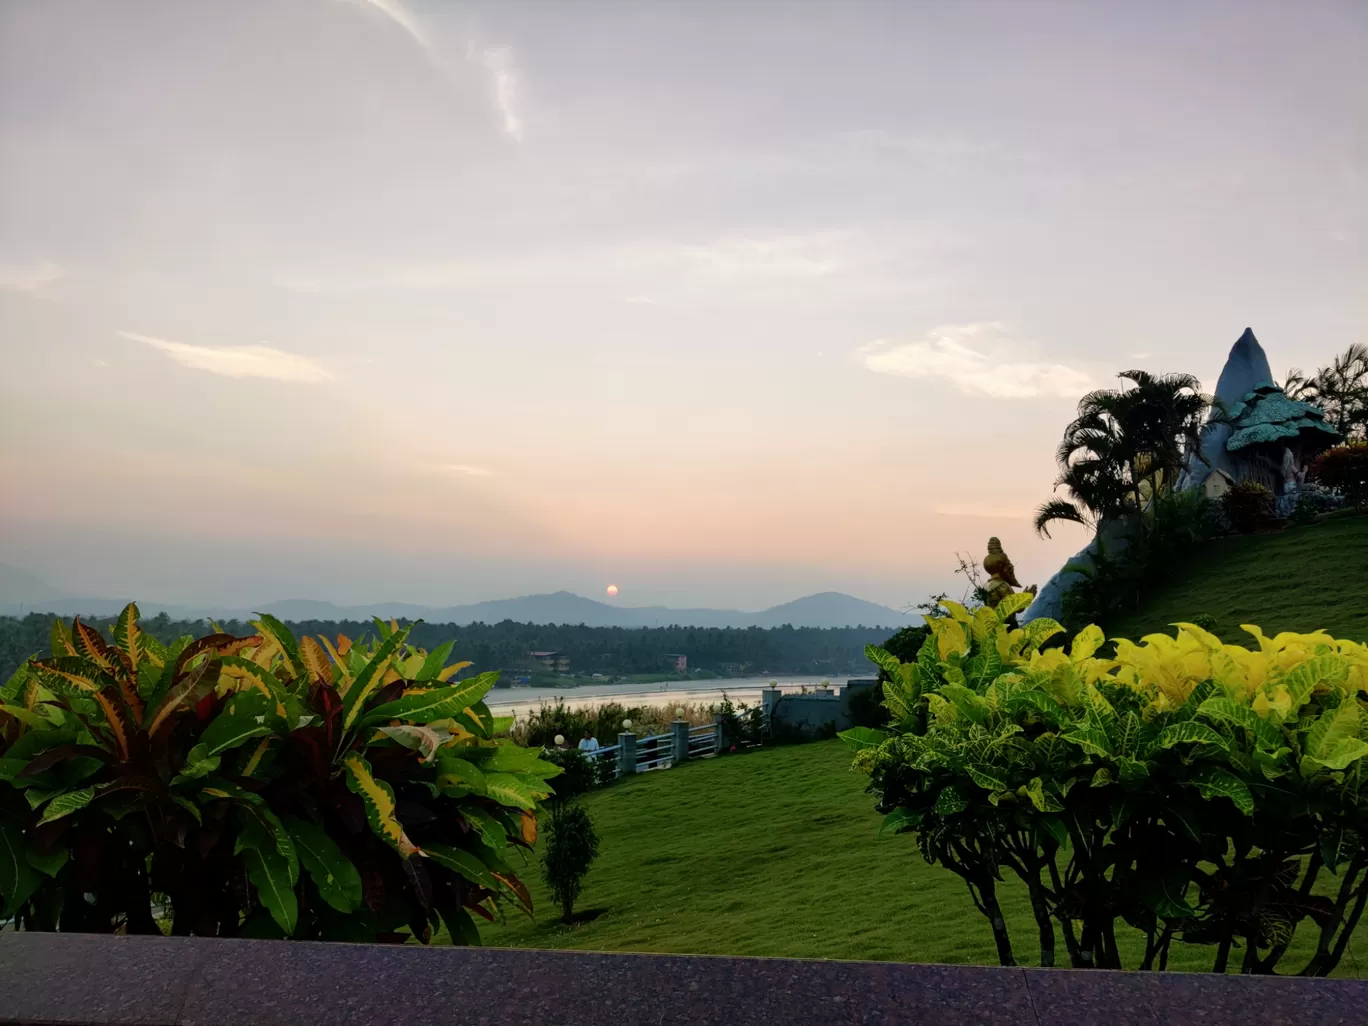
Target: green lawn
(1299, 579)
(775, 852)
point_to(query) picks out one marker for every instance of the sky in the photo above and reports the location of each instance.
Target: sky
(723, 304)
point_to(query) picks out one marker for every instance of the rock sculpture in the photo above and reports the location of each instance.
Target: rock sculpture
(1002, 577)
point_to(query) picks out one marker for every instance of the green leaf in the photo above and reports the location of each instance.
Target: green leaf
(515, 790)
(1267, 734)
(248, 714)
(28, 717)
(18, 879)
(1214, 782)
(513, 758)
(949, 802)
(1037, 701)
(66, 804)
(437, 704)
(274, 629)
(1055, 827)
(1333, 742)
(435, 661)
(1043, 800)
(454, 772)
(860, 738)
(462, 862)
(270, 869)
(49, 864)
(883, 659)
(898, 820)
(459, 924)
(198, 765)
(371, 676)
(1189, 732)
(1090, 739)
(338, 882)
(985, 778)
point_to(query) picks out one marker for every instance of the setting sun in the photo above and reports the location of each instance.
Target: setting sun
(612, 589)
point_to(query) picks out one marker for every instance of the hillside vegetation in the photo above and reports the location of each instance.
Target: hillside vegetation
(776, 852)
(1300, 579)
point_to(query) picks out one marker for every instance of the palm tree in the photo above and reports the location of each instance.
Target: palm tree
(1340, 390)
(1126, 447)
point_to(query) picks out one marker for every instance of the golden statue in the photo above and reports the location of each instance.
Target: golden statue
(1001, 575)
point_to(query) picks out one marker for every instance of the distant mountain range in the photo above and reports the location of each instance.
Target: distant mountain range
(22, 593)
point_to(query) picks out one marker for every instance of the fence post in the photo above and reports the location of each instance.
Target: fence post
(769, 704)
(626, 754)
(680, 730)
(717, 735)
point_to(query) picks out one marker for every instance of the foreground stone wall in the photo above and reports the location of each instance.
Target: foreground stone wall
(61, 979)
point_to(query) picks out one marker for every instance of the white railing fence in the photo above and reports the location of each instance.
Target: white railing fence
(634, 754)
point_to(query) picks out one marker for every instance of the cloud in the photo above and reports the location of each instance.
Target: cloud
(238, 361)
(30, 278)
(396, 13)
(498, 62)
(978, 359)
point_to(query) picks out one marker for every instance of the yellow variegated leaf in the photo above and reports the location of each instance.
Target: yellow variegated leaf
(1086, 642)
(452, 670)
(315, 661)
(956, 610)
(378, 799)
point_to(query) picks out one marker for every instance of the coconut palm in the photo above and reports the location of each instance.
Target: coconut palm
(1125, 448)
(1341, 390)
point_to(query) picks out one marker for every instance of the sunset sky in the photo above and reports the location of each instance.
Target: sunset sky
(722, 303)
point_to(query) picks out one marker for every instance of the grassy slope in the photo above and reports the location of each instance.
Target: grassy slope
(775, 853)
(1300, 579)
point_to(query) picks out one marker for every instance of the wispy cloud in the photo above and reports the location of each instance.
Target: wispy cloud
(29, 278)
(397, 13)
(238, 361)
(976, 358)
(503, 85)
(495, 62)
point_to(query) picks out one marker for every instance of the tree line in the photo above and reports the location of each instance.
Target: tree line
(506, 646)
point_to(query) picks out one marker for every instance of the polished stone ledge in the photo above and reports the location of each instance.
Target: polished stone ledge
(71, 979)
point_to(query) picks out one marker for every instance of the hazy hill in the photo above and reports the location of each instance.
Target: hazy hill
(21, 592)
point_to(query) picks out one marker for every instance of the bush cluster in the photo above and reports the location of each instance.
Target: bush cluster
(258, 785)
(1188, 789)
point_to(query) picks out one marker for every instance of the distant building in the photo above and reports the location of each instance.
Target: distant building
(680, 662)
(554, 662)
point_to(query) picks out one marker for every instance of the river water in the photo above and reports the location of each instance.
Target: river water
(742, 690)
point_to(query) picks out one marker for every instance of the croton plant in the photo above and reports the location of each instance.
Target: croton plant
(259, 786)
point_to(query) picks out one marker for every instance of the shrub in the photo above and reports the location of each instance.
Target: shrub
(1187, 788)
(578, 772)
(1203, 620)
(571, 847)
(1344, 468)
(1249, 507)
(258, 786)
(867, 709)
(1313, 502)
